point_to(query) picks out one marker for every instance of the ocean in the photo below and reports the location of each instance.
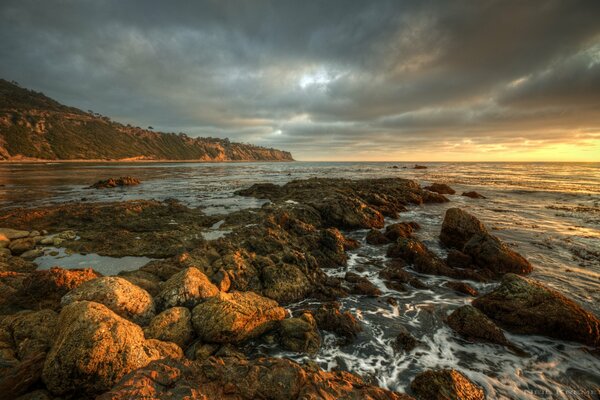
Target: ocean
(548, 212)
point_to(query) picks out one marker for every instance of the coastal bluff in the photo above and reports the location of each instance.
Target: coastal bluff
(36, 127)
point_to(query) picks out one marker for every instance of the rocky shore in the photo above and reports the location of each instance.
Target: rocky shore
(186, 324)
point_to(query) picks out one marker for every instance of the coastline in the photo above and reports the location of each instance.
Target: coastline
(100, 161)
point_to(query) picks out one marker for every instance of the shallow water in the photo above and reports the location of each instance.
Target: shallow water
(549, 212)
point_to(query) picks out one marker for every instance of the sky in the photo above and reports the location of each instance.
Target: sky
(327, 80)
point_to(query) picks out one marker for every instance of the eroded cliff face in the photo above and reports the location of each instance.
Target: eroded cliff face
(33, 126)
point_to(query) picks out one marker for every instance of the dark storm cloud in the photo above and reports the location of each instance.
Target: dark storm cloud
(321, 78)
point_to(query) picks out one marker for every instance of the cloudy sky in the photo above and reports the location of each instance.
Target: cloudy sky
(326, 80)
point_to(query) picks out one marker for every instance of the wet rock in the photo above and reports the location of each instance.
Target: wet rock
(474, 195)
(375, 237)
(458, 227)
(399, 230)
(234, 317)
(45, 288)
(204, 350)
(466, 233)
(94, 348)
(417, 166)
(445, 384)
(472, 324)
(12, 234)
(118, 294)
(20, 378)
(186, 288)
(163, 269)
(458, 259)
(32, 254)
(172, 325)
(330, 318)
(440, 188)
(20, 246)
(490, 253)
(361, 285)
(19, 264)
(524, 306)
(300, 334)
(147, 281)
(114, 182)
(405, 341)
(462, 287)
(40, 394)
(5, 252)
(229, 377)
(4, 241)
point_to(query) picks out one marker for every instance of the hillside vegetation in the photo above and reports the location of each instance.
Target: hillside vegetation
(34, 126)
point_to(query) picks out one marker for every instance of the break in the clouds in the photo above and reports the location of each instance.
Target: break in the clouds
(326, 79)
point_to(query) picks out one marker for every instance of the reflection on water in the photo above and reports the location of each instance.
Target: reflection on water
(549, 212)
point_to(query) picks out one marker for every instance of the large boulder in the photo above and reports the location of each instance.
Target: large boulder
(172, 325)
(300, 334)
(458, 227)
(524, 306)
(20, 246)
(121, 296)
(11, 234)
(488, 252)
(31, 332)
(234, 378)
(472, 324)
(445, 384)
(45, 288)
(330, 318)
(463, 231)
(440, 188)
(284, 283)
(234, 317)
(186, 288)
(94, 348)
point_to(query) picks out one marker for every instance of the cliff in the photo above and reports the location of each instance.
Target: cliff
(34, 126)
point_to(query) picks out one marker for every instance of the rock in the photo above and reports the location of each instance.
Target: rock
(399, 230)
(221, 280)
(163, 269)
(417, 166)
(20, 378)
(466, 233)
(94, 348)
(458, 227)
(45, 288)
(172, 325)
(474, 195)
(114, 182)
(40, 394)
(394, 271)
(330, 318)
(32, 254)
(375, 237)
(4, 241)
(405, 341)
(284, 283)
(147, 281)
(5, 252)
(472, 324)
(32, 332)
(300, 334)
(12, 234)
(232, 378)
(524, 306)
(186, 288)
(234, 317)
(462, 287)
(458, 259)
(440, 188)
(20, 246)
(205, 350)
(119, 295)
(488, 252)
(445, 384)
(361, 285)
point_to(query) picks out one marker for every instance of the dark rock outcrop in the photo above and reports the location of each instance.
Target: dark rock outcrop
(445, 384)
(462, 287)
(440, 188)
(300, 334)
(524, 306)
(232, 378)
(404, 341)
(472, 324)
(116, 182)
(361, 285)
(474, 195)
(344, 324)
(186, 288)
(376, 238)
(172, 325)
(458, 227)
